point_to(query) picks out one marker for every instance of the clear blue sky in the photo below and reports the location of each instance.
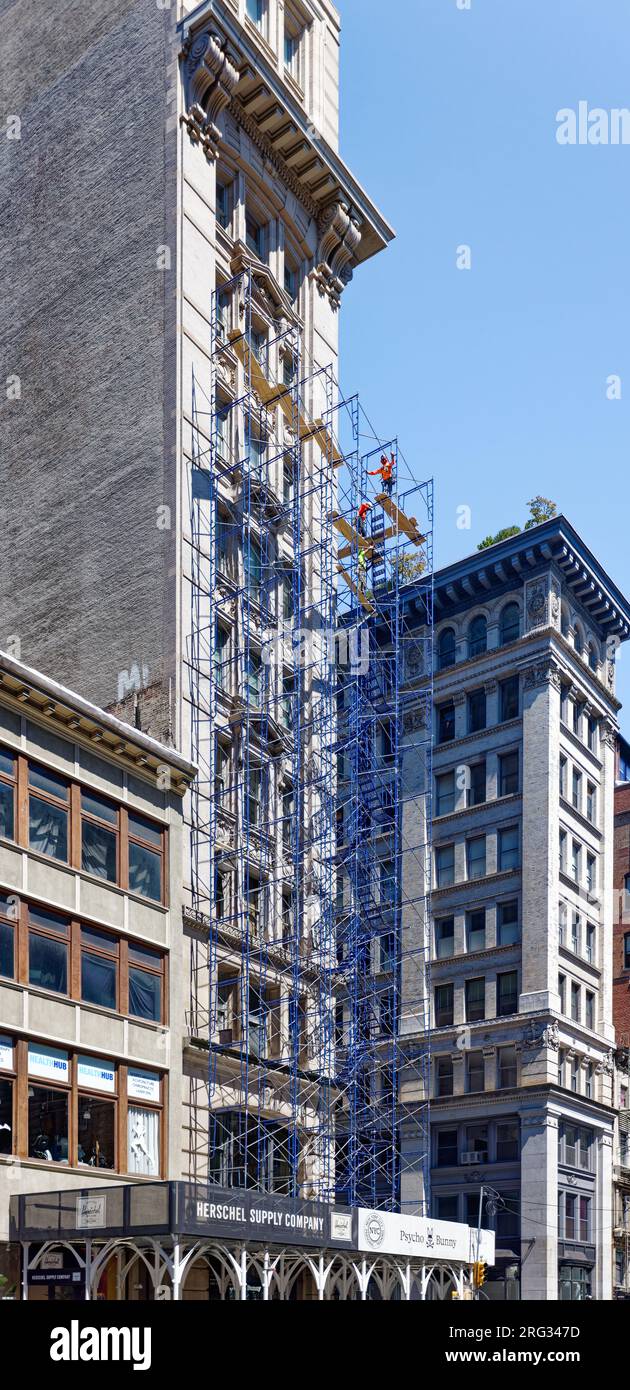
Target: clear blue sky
(494, 379)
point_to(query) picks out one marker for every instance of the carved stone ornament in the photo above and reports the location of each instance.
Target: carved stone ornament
(417, 719)
(555, 604)
(537, 604)
(607, 1064)
(211, 74)
(535, 1036)
(608, 734)
(339, 237)
(543, 673)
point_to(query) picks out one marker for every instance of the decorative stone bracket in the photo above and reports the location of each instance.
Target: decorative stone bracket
(339, 238)
(211, 73)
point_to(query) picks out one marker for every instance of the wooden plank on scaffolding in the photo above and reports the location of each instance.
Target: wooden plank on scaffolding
(357, 594)
(369, 545)
(282, 396)
(408, 524)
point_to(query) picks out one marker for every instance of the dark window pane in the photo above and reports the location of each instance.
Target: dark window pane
(48, 1124)
(7, 763)
(96, 1132)
(145, 872)
(144, 955)
(6, 951)
(6, 1116)
(7, 823)
(98, 980)
(47, 781)
(145, 830)
(47, 963)
(98, 806)
(144, 994)
(91, 937)
(48, 828)
(98, 850)
(38, 917)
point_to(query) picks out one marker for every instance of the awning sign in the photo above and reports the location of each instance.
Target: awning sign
(48, 1062)
(388, 1233)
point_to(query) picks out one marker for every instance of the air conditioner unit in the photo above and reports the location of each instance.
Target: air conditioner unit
(226, 1037)
(472, 1157)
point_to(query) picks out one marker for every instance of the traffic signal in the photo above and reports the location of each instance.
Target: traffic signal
(479, 1273)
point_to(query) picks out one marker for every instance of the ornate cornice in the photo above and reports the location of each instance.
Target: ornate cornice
(545, 672)
(266, 148)
(211, 72)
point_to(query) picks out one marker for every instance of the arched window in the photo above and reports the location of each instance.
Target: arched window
(593, 659)
(578, 641)
(564, 621)
(446, 648)
(477, 636)
(510, 626)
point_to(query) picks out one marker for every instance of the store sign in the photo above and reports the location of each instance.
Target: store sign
(48, 1062)
(6, 1053)
(52, 1259)
(143, 1085)
(96, 1074)
(388, 1233)
(212, 1211)
(91, 1211)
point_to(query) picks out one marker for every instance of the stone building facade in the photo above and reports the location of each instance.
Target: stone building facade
(522, 1038)
(92, 995)
(621, 1018)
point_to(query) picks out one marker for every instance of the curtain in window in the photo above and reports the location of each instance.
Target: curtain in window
(144, 994)
(48, 827)
(144, 1141)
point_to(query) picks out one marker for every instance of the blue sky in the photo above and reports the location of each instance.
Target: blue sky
(495, 379)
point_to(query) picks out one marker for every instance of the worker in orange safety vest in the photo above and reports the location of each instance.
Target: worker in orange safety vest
(362, 516)
(386, 472)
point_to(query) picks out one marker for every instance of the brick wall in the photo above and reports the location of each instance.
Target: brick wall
(87, 323)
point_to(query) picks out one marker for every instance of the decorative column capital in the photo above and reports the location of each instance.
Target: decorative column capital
(608, 733)
(211, 71)
(545, 672)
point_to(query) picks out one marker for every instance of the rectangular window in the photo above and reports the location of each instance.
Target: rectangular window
(288, 480)
(475, 1071)
(563, 777)
(509, 851)
(8, 921)
(576, 795)
(445, 866)
(446, 1148)
(562, 923)
(591, 802)
(48, 812)
(224, 205)
(508, 774)
(508, 926)
(475, 992)
(443, 1005)
(577, 717)
(592, 735)
(575, 1001)
(146, 976)
(477, 784)
(253, 677)
(7, 1133)
(446, 1208)
(255, 237)
(476, 930)
(585, 1148)
(585, 1218)
(143, 1141)
(99, 836)
(477, 1141)
(476, 857)
(589, 1009)
(626, 951)
(96, 1131)
(569, 1215)
(507, 1067)
(562, 991)
(253, 567)
(255, 10)
(48, 1124)
(508, 1139)
(7, 795)
(444, 937)
(508, 1219)
(48, 947)
(564, 704)
(563, 851)
(146, 855)
(588, 1080)
(575, 933)
(507, 993)
(576, 861)
(590, 943)
(99, 968)
(476, 711)
(446, 723)
(591, 873)
(291, 287)
(575, 1074)
(221, 657)
(388, 951)
(445, 786)
(509, 699)
(443, 1076)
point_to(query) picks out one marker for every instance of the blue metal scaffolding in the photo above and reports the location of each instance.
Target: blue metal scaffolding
(310, 991)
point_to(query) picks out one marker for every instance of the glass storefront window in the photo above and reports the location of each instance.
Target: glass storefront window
(574, 1283)
(48, 1124)
(97, 1129)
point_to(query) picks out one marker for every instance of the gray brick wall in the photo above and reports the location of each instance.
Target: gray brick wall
(87, 582)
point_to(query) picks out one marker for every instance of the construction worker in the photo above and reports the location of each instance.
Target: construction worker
(362, 517)
(386, 472)
(362, 571)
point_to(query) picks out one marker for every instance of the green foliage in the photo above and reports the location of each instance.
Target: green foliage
(540, 509)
